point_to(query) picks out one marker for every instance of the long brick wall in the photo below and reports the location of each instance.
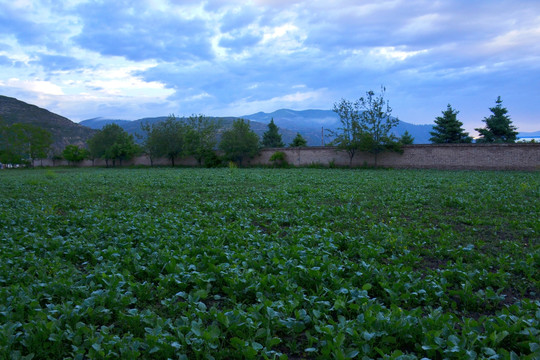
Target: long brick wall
(446, 156)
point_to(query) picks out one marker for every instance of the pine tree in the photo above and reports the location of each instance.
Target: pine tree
(298, 141)
(499, 128)
(448, 129)
(272, 138)
(406, 138)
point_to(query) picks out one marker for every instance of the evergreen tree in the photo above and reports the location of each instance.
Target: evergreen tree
(406, 138)
(298, 141)
(499, 128)
(448, 129)
(272, 138)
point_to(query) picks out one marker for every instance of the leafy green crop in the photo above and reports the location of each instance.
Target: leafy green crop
(269, 264)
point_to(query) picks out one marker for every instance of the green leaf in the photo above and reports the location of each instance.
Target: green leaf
(367, 287)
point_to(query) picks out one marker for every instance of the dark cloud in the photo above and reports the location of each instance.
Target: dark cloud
(124, 28)
(427, 53)
(16, 22)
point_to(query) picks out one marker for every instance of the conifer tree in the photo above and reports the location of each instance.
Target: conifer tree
(272, 138)
(448, 129)
(298, 141)
(406, 138)
(499, 128)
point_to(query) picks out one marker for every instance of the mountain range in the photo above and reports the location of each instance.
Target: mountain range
(314, 125)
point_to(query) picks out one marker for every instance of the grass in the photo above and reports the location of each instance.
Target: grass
(269, 264)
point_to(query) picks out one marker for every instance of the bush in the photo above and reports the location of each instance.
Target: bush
(278, 159)
(211, 159)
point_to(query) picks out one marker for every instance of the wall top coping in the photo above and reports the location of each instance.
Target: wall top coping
(415, 145)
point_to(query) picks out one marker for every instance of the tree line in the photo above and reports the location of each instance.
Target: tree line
(365, 126)
(197, 136)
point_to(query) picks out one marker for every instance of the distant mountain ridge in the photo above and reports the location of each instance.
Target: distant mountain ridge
(134, 126)
(312, 124)
(63, 130)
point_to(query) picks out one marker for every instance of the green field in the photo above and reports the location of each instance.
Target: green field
(269, 264)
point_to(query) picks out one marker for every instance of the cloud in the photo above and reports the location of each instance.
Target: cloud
(37, 86)
(131, 30)
(238, 44)
(57, 62)
(127, 59)
(238, 18)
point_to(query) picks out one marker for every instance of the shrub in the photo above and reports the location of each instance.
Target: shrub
(278, 159)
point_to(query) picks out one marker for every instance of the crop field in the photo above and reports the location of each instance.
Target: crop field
(269, 264)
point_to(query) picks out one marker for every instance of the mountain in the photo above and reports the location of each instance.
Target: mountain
(63, 130)
(310, 124)
(134, 126)
(532, 134)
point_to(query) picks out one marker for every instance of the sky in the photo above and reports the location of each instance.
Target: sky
(133, 59)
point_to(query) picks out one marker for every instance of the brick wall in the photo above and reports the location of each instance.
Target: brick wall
(445, 156)
(432, 156)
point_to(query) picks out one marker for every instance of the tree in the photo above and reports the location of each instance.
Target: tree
(170, 136)
(348, 136)
(499, 128)
(22, 143)
(151, 142)
(376, 123)
(239, 142)
(448, 129)
(201, 137)
(74, 154)
(112, 143)
(406, 138)
(366, 125)
(298, 141)
(272, 137)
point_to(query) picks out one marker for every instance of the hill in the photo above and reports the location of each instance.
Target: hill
(63, 130)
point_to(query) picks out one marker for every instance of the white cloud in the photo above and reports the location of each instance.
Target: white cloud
(37, 86)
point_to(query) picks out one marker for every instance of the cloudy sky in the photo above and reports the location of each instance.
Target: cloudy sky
(133, 59)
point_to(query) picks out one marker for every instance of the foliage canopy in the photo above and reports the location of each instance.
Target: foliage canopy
(22, 143)
(112, 143)
(239, 142)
